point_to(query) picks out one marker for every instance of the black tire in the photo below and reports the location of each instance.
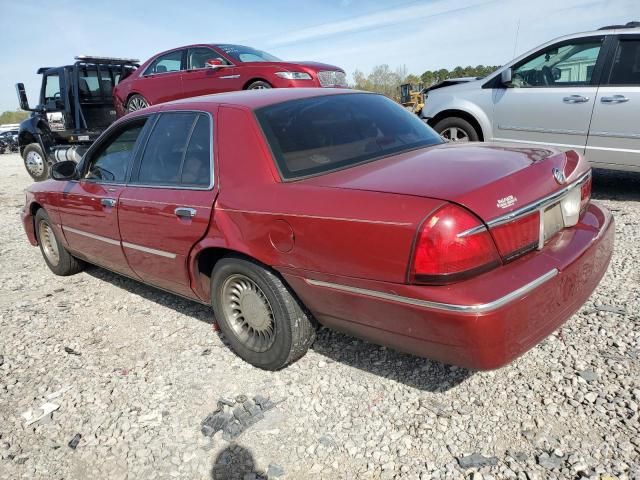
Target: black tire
(136, 102)
(293, 330)
(464, 130)
(259, 85)
(36, 162)
(66, 264)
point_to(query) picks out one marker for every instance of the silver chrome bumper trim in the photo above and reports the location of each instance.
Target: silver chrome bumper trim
(480, 308)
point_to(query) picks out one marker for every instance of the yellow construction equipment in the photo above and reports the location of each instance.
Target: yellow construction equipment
(412, 97)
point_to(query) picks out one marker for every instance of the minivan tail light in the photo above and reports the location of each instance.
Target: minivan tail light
(453, 244)
(517, 236)
(585, 193)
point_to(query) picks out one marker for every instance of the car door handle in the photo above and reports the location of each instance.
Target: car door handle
(575, 99)
(614, 99)
(185, 212)
(108, 202)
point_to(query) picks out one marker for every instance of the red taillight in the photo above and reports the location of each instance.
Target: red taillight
(518, 236)
(585, 194)
(453, 244)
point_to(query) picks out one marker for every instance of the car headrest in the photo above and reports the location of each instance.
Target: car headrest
(161, 69)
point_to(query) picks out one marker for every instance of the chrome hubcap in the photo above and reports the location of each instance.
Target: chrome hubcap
(34, 163)
(48, 242)
(137, 103)
(260, 87)
(248, 312)
(454, 134)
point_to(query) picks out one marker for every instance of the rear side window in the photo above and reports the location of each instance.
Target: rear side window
(178, 151)
(320, 134)
(171, 62)
(626, 64)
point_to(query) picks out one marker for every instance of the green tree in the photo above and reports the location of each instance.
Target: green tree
(13, 116)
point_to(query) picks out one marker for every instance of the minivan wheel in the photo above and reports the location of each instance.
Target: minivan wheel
(259, 85)
(136, 102)
(35, 161)
(455, 129)
(259, 317)
(55, 255)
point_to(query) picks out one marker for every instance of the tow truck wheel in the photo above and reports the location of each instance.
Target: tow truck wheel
(35, 161)
(136, 102)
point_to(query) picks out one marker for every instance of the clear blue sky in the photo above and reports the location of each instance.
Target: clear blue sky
(352, 34)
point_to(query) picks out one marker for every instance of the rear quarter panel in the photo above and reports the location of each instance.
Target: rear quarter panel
(303, 227)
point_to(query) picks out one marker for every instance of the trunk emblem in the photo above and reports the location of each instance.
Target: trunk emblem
(506, 202)
(559, 176)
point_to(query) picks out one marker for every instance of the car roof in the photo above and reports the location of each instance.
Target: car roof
(251, 99)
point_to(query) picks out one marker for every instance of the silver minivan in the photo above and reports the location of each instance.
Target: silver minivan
(580, 91)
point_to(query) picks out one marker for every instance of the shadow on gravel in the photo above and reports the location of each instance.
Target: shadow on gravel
(620, 186)
(233, 463)
(413, 371)
(416, 372)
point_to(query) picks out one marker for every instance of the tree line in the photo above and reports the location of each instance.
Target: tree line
(383, 79)
(15, 116)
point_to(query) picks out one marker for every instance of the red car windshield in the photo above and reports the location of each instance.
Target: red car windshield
(247, 54)
(321, 134)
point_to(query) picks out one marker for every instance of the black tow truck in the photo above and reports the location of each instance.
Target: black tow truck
(75, 107)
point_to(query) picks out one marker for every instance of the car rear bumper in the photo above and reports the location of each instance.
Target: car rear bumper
(483, 323)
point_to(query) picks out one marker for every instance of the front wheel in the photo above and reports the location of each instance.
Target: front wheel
(35, 161)
(262, 321)
(455, 129)
(259, 85)
(55, 255)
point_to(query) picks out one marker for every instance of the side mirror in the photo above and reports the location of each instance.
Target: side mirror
(506, 76)
(67, 170)
(214, 63)
(22, 97)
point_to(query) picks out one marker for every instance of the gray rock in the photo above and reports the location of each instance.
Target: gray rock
(476, 460)
(551, 462)
(588, 375)
(274, 470)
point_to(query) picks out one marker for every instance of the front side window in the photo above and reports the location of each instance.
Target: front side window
(626, 64)
(570, 64)
(52, 88)
(170, 62)
(178, 151)
(198, 57)
(247, 54)
(111, 160)
(320, 134)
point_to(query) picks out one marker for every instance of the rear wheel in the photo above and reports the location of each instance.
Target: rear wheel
(55, 255)
(455, 129)
(35, 161)
(262, 321)
(259, 85)
(136, 102)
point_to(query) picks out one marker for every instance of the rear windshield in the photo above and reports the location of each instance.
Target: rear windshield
(322, 134)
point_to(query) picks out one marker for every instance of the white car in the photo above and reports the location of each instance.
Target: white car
(579, 92)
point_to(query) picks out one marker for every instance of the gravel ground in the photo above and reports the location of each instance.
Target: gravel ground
(134, 371)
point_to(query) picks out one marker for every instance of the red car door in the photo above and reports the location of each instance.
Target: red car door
(162, 80)
(167, 206)
(89, 206)
(200, 79)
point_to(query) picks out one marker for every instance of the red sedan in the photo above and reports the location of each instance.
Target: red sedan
(296, 207)
(203, 69)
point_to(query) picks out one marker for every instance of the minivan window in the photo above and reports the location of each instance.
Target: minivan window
(320, 134)
(556, 66)
(110, 162)
(170, 62)
(626, 64)
(178, 151)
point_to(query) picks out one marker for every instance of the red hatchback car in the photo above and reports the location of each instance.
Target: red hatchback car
(203, 69)
(295, 206)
